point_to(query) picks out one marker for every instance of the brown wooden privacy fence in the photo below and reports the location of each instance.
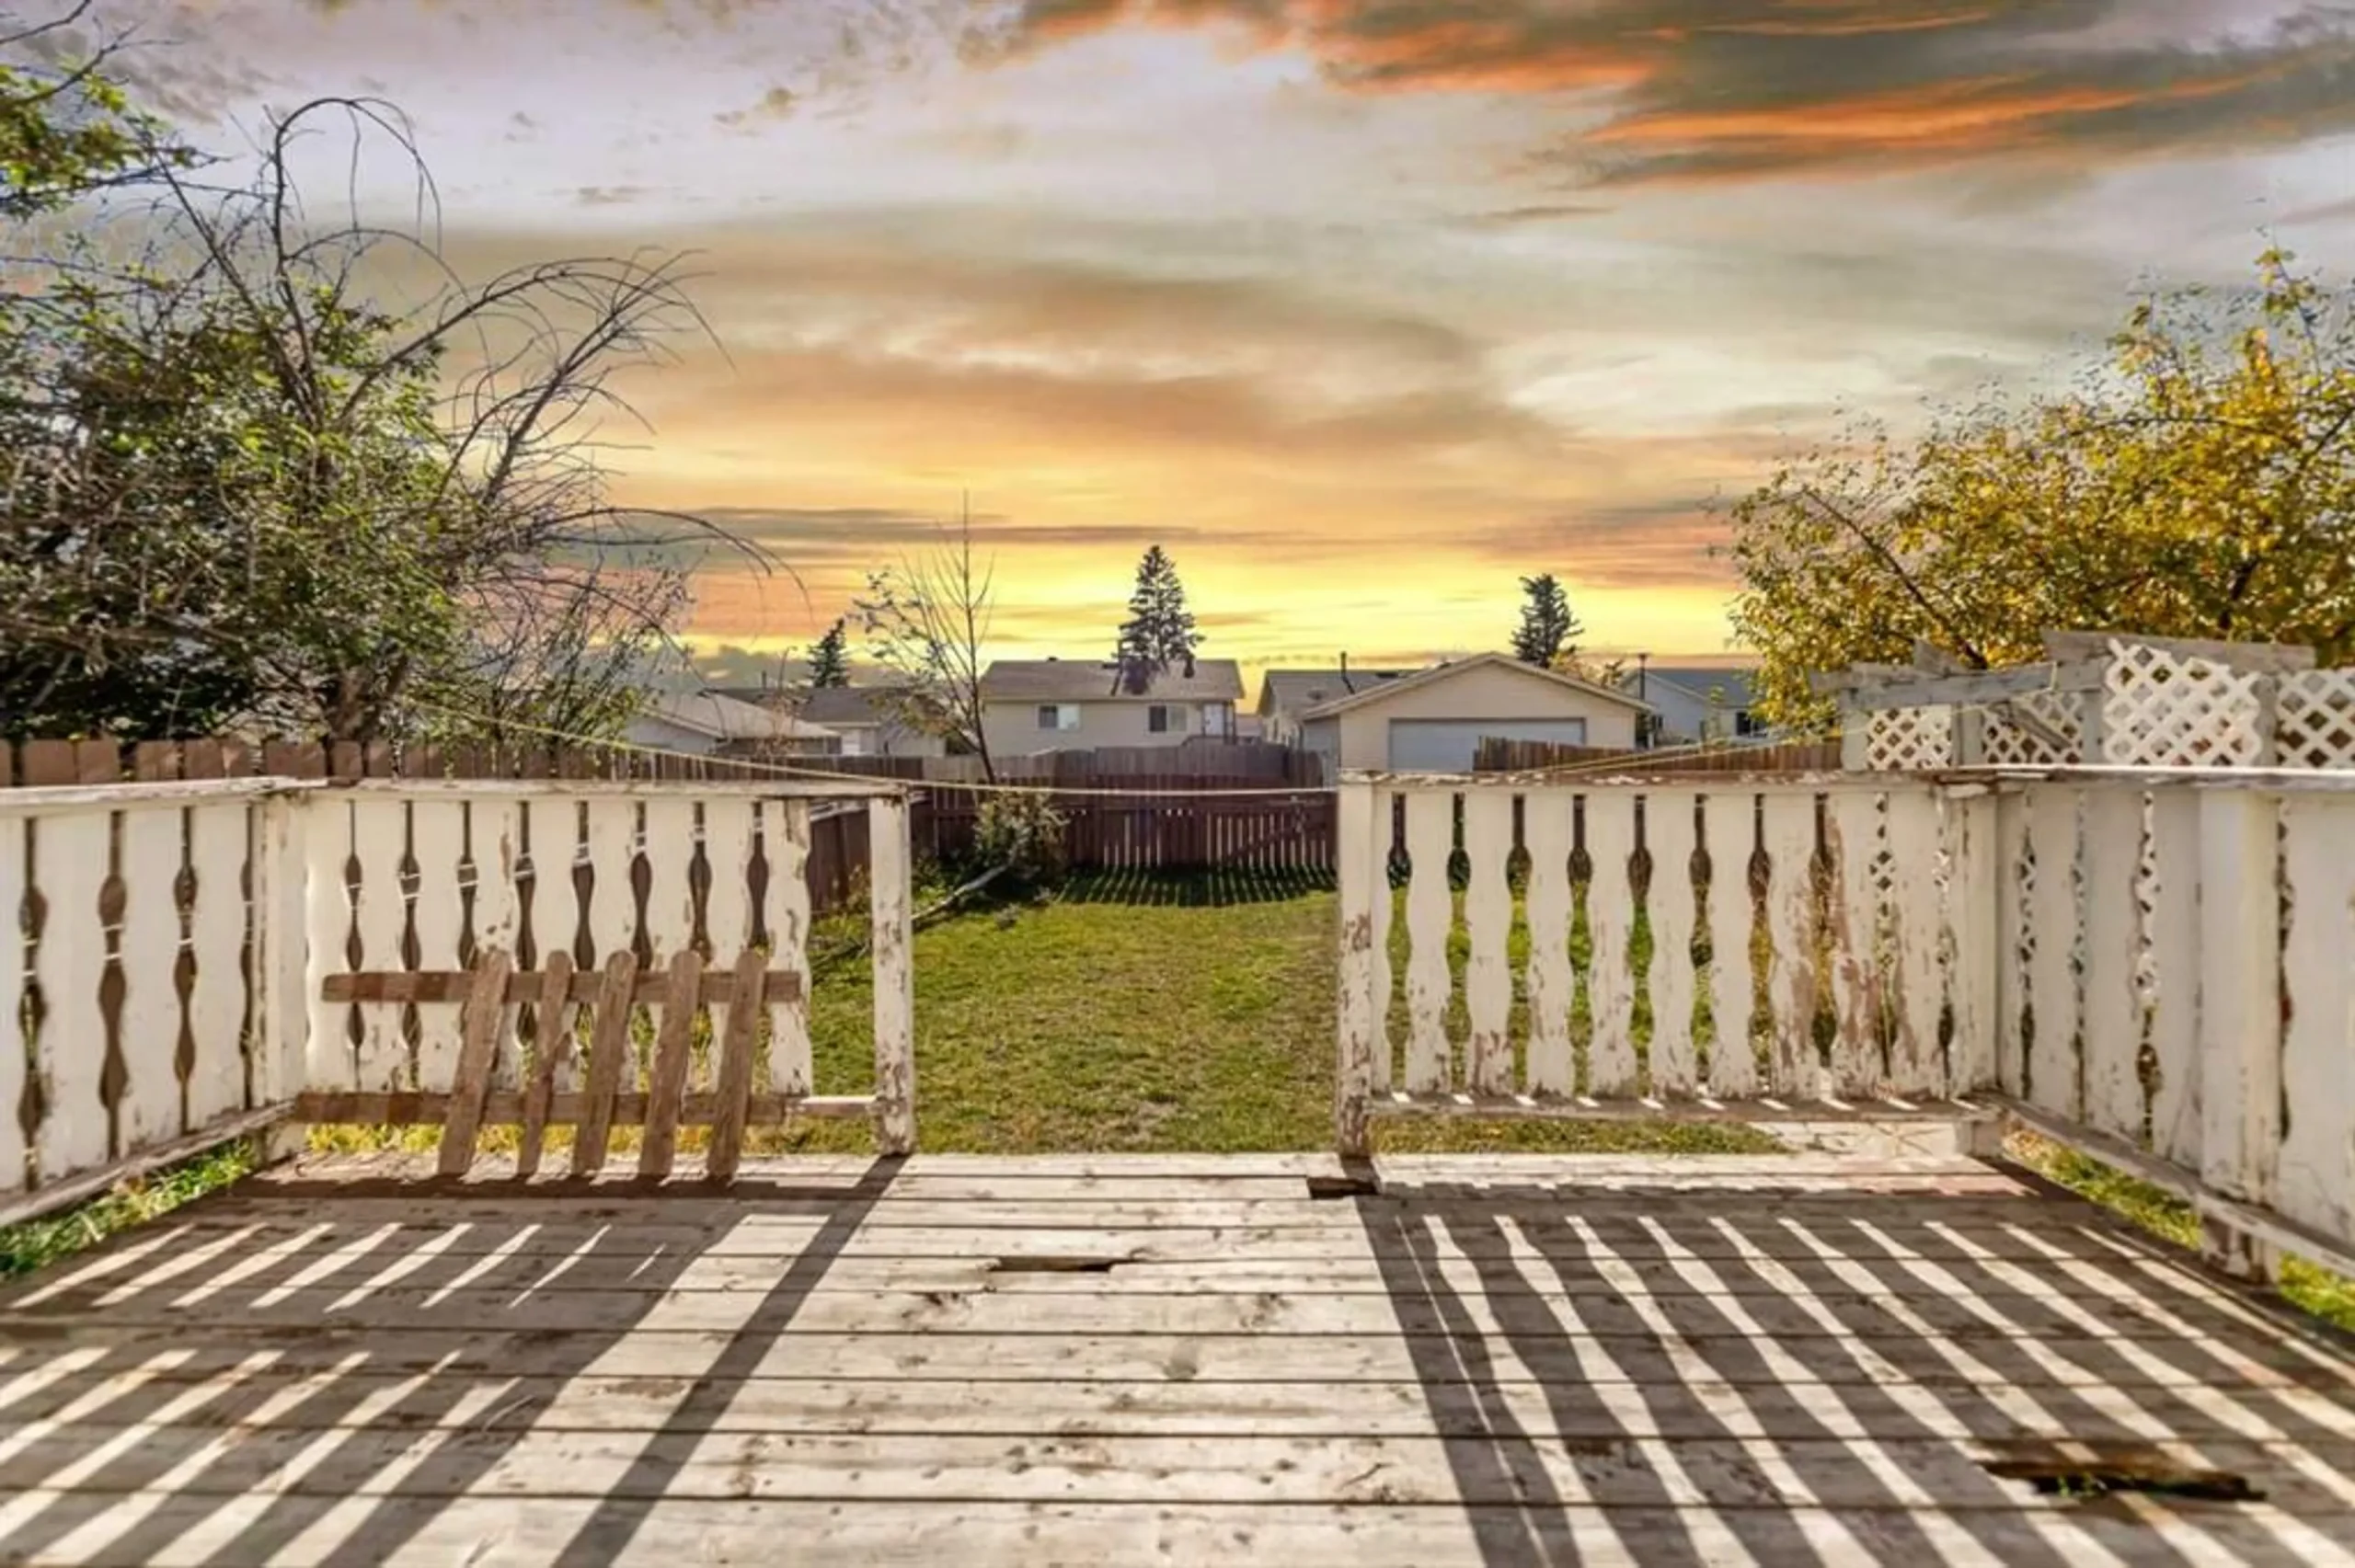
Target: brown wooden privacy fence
(1498, 754)
(1118, 818)
(100, 761)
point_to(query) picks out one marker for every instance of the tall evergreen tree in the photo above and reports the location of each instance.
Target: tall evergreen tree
(830, 660)
(1159, 633)
(1548, 630)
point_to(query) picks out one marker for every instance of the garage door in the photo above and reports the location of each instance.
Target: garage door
(1448, 745)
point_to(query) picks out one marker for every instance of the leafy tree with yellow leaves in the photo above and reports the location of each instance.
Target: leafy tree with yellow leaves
(2199, 484)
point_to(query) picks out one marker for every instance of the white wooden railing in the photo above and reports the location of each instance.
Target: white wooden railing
(167, 954)
(2180, 998)
(1829, 968)
(129, 1030)
(2157, 966)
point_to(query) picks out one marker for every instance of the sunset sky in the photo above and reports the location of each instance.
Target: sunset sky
(1360, 308)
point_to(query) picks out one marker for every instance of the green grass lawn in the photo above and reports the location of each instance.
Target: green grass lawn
(1145, 1013)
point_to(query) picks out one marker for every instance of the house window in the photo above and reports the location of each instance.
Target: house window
(1156, 718)
(1743, 724)
(1058, 715)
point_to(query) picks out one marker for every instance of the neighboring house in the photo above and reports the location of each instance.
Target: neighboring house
(1433, 720)
(1285, 694)
(868, 722)
(714, 725)
(1710, 703)
(1069, 705)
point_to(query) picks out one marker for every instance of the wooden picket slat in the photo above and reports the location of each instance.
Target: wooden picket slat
(1853, 824)
(1787, 832)
(1548, 830)
(152, 848)
(221, 848)
(480, 1024)
(608, 1054)
(13, 884)
(1729, 828)
(739, 1041)
(667, 1083)
(1669, 842)
(1610, 916)
(69, 868)
(551, 1053)
(1430, 913)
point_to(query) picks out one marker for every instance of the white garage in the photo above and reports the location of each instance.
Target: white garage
(1432, 721)
(1449, 745)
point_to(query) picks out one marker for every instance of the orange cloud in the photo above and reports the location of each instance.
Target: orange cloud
(1700, 89)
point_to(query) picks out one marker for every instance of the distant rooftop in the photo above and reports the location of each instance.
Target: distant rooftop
(1291, 691)
(1096, 680)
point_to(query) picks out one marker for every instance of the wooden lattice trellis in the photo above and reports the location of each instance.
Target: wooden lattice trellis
(2314, 718)
(1903, 741)
(2163, 709)
(2022, 731)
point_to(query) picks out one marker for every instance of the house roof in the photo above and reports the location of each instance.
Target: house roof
(1290, 690)
(1733, 681)
(855, 705)
(1096, 680)
(725, 719)
(1439, 673)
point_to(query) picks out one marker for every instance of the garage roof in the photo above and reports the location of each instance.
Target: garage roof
(1439, 673)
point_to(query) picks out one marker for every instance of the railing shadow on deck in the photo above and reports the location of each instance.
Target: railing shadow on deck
(336, 1369)
(1699, 1362)
(1214, 888)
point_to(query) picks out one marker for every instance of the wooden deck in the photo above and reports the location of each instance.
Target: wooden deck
(1186, 1359)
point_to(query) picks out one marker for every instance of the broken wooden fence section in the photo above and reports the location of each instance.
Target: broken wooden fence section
(182, 962)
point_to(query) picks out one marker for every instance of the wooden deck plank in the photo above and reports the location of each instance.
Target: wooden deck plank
(1223, 1466)
(432, 1532)
(1488, 1361)
(1603, 1408)
(651, 1351)
(983, 1310)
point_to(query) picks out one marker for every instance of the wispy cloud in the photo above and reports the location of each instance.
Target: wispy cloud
(1695, 90)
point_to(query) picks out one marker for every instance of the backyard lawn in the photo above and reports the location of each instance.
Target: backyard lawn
(1134, 1013)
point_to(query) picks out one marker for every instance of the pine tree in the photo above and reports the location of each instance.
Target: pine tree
(829, 659)
(1548, 630)
(1159, 633)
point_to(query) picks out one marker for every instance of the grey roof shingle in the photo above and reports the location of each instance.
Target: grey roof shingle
(725, 719)
(1096, 680)
(1291, 691)
(1732, 682)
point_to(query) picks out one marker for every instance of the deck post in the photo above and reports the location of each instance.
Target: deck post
(888, 855)
(2240, 1014)
(279, 1069)
(1357, 854)
(1976, 920)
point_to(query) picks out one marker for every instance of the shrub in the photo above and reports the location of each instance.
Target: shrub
(1023, 832)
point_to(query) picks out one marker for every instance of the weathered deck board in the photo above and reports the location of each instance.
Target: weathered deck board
(1103, 1360)
(432, 1532)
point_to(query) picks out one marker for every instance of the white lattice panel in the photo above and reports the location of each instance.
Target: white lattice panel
(1903, 741)
(2314, 718)
(2009, 742)
(2168, 710)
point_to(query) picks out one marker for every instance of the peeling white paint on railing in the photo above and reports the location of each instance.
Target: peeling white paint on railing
(163, 947)
(2164, 959)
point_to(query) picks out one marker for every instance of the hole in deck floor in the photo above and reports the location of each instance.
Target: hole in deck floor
(1343, 1187)
(1056, 1265)
(2085, 1482)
